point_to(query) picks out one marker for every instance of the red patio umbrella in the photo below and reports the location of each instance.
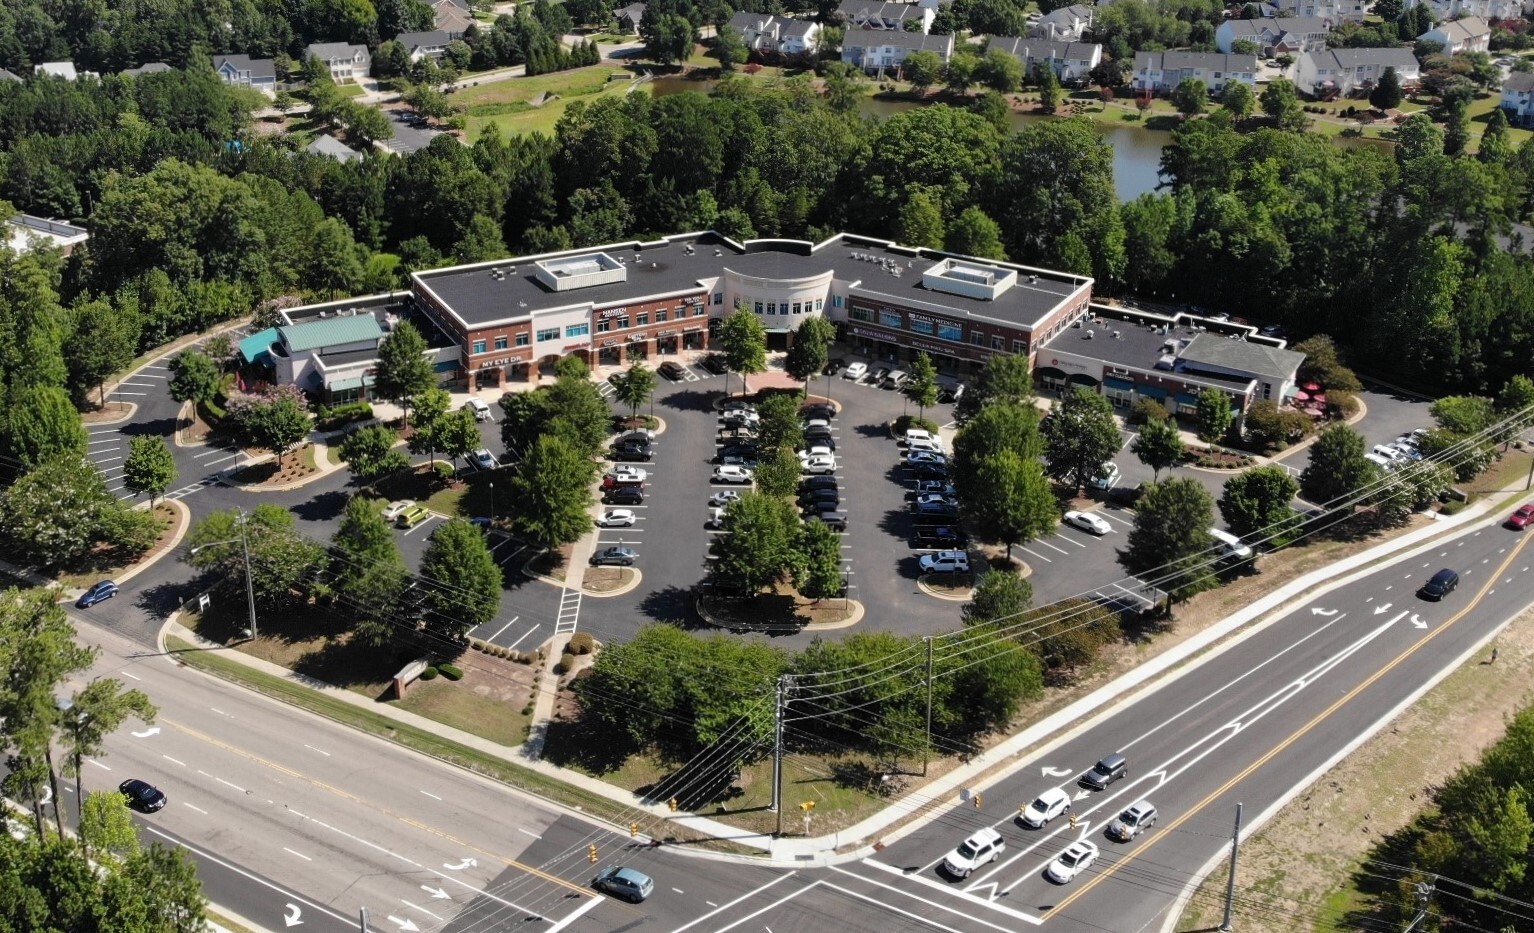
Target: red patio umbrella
(1311, 387)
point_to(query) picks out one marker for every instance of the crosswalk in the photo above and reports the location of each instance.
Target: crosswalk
(569, 612)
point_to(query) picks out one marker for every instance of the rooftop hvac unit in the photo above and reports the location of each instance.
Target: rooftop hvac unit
(1033, 280)
(1090, 333)
(1117, 335)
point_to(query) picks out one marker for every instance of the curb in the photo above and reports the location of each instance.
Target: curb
(857, 610)
(106, 423)
(629, 587)
(921, 584)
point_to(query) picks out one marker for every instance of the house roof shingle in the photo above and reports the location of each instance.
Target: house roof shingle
(1402, 60)
(416, 40)
(331, 332)
(1210, 61)
(258, 67)
(915, 41)
(330, 146)
(326, 51)
(1052, 49)
(1242, 356)
(1523, 82)
(1462, 30)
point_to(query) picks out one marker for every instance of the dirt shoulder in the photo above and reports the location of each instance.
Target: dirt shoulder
(1297, 872)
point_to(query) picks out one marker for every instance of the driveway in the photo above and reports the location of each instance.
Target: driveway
(407, 138)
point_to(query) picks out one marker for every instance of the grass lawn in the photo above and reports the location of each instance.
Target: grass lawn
(351, 90)
(508, 103)
(106, 566)
(1506, 472)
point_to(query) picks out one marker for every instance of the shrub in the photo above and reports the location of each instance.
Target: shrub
(451, 672)
(527, 710)
(1147, 410)
(911, 422)
(1341, 403)
(429, 674)
(1452, 507)
(528, 657)
(560, 668)
(444, 469)
(580, 643)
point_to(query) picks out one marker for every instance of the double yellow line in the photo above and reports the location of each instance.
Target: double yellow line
(1295, 737)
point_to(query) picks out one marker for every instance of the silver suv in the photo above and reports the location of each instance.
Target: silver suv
(1133, 821)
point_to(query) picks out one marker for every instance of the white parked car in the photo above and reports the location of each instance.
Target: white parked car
(723, 498)
(855, 372)
(483, 459)
(1049, 805)
(1077, 858)
(616, 518)
(817, 450)
(480, 409)
(627, 474)
(1109, 479)
(980, 849)
(715, 519)
(945, 562)
(1087, 522)
(819, 466)
(393, 509)
(731, 474)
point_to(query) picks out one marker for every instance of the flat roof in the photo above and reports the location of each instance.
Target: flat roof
(486, 293)
(1138, 343)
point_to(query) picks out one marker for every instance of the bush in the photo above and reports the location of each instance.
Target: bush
(1452, 507)
(429, 674)
(444, 470)
(451, 672)
(911, 422)
(1147, 410)
(328, 419)
(560, 668)
(580, 643)
(1341, 403)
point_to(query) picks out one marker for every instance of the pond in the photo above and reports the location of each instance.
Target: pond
(1136, 150)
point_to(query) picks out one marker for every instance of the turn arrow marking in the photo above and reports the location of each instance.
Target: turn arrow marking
(1322, 612)
(152, 730)
(1054, 772)
(466, 863)
(290, 918)
(1417, 622)
(1381, 610)
(1081, 795)
(406, 924)
(436, 893)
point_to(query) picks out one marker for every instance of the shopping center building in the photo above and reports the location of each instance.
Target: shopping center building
(491, 323)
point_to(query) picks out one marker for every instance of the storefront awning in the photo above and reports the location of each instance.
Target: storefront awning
(1122, 384)
(1081, 379)
(258, 346)
(351, 382)
(1184, 398)
(1049, 372)
(1152, 391)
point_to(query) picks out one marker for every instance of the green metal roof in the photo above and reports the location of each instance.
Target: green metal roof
(331, 332)
(258, 344)
(355, 382)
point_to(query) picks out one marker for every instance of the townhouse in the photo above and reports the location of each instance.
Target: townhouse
(347, 63)
(875, 50)
(1345, 72)
(1161, 72)
(767, 34)
(1070, 61)
(1469, 34)
(1286, 35)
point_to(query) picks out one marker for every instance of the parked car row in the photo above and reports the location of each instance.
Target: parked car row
(1398, 453)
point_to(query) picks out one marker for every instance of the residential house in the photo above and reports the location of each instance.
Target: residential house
(1489, 10)
(244, 71)
(65, 70)
(347, 63)
(1070, 61)
(421, 45)
(9, 76)
(1160, 72)
(1518, 99)
(862, 14)
(1066, 24)
(766, 34)
(628, 17)
(876, 50)
(24, 233)
(452, 17)
(149, 68)
(1344, 72)
(1470, 34)
(332, 148)
(1280, 36)
(1335, 12)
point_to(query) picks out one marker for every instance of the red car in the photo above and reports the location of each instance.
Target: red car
(1521, 519)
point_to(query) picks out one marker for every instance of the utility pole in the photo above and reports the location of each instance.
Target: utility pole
(250, 589)
(777, 752)
(1230, 884)
(1424, 896)
(926, 749)
(362, 919)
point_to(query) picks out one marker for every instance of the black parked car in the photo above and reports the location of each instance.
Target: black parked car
(743, 451)
(943, 537)
(879, 376)
(714, 363)
(929, 470)
(630, 453)
(624, 495)
(817, 482)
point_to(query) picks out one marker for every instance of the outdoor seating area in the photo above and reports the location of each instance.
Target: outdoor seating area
(1310, 398)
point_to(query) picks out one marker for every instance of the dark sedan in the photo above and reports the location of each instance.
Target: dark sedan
(142, 796)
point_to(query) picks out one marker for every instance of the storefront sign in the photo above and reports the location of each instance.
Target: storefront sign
(1063, 364)
(611, 342)
(666, 333)
(503, 361)
(637, 338)
(609, 313)
(578, 346)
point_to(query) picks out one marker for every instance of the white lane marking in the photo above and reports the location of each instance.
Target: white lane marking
(1035, 554)
(927, 882)
(98, 764)
(431, 795)
(173, 761)
(524, 635)
(421, 909)
(749, 894)
(504, 628)
(133, 676)
(576, 914)
(320, 750)
(775, 904)
(219, 711)
(235, 786)
(198, 809)
(299, 854)
(679, 890)
(107, 459)
(528, 832)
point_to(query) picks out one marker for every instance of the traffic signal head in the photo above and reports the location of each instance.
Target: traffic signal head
(673, 804)
(591, 854)
(979, 800)
(633, 829)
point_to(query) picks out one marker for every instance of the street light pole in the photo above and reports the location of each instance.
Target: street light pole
(492, 503)
(250, 588)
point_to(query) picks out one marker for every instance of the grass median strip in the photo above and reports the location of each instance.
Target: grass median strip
(375, 724)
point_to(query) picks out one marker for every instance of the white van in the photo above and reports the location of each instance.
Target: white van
(930, 445)
(1231, 547)
(917, 434)
(1384, 463)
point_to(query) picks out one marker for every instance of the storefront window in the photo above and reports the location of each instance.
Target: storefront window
(699, 311)
(758, 307)
(818, 303)
(796, 307)
(998, 342)
(603, 326)
(861, 314)
(479, 346)
(772, 307)
(660, 315)
(522, 339)
(977, 338)
(577, 330)
(642, 318)
(550, 333)
(950, 332)
(920, 326)
(500, 342)
(1020, 347)
(890, 319)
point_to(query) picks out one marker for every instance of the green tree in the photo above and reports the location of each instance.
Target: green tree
(195, 378)
(404, 371)
(1049, 88)
(744, 342)
(458, 433)
(366, 569)
(369, 453)
(778, 473)
(1256, 505)
(999, 596)
(102, 344)
(1214, 415)
(41, 424)
(1191, 97)
(1502, 831)
(1324, 364)
(1515, 405)
(94, 712)
(106, 828)
(811, 350)
(999, 71)
(1456, 129)
(668, 37)
(57, 513)
(1387, 94)
(730, 49)
(636, 387)
(1019, 505)
(1495, 147)
(923, 69)
(1159, 446)
(999, 427)
(974, 233)
(580, 414)
(552, 486)
(431, 410)
(524, 417)
(921, 386)
(277, 425)
(1080, 438)
(467, 583)
(818, 571)
(1464, 414)
(1170, 541)
(280, 558)
(1238, 99)
(1003, 379)
(959, 73)
(1337, 466)
(779, 425)
(1280, 102)
(1069, 634)
(150, 467)
(760, 543)
(921, 221)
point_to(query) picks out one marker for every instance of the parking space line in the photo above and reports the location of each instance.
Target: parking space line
(1070, 540)
(1052, 547)
(1035, 554)
(503, 628)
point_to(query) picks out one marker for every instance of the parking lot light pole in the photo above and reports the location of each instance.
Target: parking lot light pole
(492, 503)
(250, 589)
